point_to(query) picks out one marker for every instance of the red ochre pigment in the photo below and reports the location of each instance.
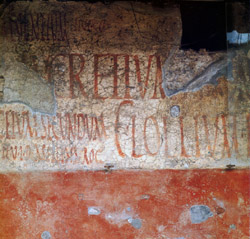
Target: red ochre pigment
(190, 204)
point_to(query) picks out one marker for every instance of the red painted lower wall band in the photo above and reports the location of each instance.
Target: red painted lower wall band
(191, 204)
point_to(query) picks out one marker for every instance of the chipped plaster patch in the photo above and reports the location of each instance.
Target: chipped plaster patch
(175, 111)
(122, 217)
(161, 228)
(94, 211)
(136, 223)
(25, 86)
(197, 69)
(200, 213)
(45, 235)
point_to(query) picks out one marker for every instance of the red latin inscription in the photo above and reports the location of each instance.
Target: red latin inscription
(132, 66)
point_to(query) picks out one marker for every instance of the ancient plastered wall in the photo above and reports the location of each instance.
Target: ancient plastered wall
(88, 86)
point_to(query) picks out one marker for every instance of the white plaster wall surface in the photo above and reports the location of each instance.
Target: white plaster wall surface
(82, 89)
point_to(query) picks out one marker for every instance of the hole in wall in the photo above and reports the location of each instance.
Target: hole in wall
(203, 25)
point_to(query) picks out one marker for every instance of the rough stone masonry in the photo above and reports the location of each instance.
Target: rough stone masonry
(87, 85)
